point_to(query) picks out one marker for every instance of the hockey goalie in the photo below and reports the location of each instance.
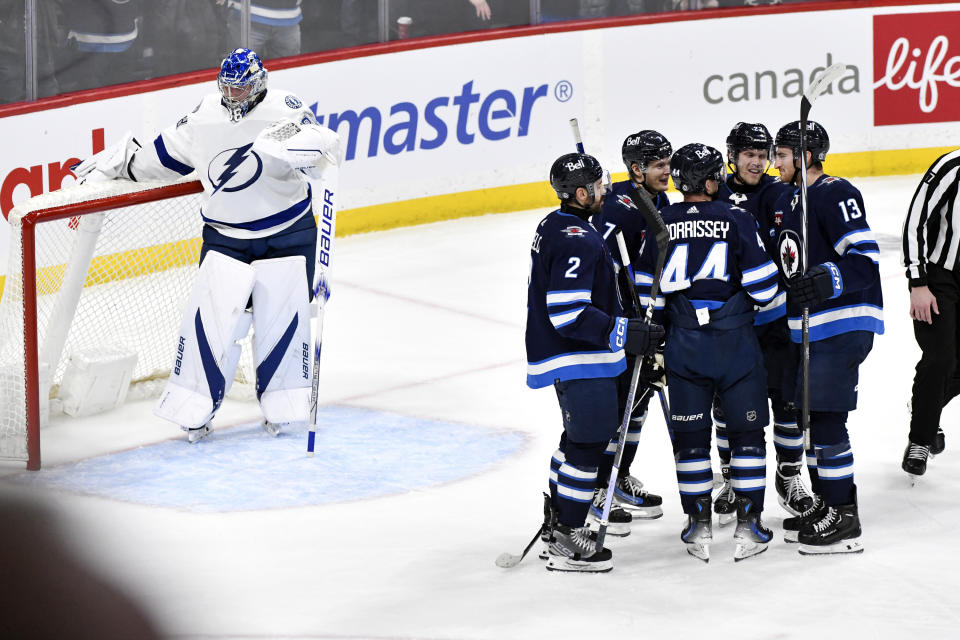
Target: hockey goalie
(255, 152)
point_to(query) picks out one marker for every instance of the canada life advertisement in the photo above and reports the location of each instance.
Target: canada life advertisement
(489, 114)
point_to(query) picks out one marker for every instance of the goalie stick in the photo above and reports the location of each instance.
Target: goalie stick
(662, 238)
(813, 91)
(326, 227)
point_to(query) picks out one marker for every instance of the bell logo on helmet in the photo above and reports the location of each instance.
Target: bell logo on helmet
(573, 166)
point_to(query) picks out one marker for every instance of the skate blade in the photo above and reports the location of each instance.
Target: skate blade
(271, 428)
(643, 513)
(846, 546)
(699, 550)
(786, 507)
(726, 518)
(746, 550)
(914, 479)
(615, 530)
(791, 536)
(563, 564)
(196, 435)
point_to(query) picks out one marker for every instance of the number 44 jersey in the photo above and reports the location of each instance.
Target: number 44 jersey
(838, 236)
(714, 253)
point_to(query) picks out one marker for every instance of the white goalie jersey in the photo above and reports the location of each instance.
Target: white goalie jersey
(249, 192)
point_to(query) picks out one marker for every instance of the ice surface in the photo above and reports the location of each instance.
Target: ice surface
(426, 323)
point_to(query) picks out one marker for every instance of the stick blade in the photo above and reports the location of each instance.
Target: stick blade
(508, 560)
(822, 81)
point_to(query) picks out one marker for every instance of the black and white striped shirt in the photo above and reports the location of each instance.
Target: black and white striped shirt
(930, 234)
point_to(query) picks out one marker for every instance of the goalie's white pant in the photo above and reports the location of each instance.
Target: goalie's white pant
(281, 338)
(215, 320)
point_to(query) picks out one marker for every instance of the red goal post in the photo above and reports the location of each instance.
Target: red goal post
(94, 269)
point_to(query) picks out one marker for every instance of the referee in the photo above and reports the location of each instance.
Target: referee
(931, 254)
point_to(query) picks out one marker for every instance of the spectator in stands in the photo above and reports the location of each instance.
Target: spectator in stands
(182, 35)
(102, 47)
(274, 26)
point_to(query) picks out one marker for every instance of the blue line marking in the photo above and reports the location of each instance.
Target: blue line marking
(360, 454)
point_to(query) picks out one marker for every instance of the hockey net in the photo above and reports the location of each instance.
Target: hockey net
(94, 268)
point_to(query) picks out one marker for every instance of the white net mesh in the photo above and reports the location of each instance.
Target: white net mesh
(108, 280)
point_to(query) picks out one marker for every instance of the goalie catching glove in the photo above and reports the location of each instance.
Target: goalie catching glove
(306, 146)
(110, 164)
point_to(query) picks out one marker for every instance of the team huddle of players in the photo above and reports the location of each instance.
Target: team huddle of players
(726, 328)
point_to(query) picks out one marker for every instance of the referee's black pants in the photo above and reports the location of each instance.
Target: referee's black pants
(937, 380)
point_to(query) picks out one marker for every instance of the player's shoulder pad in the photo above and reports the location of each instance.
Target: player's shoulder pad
(837, 187)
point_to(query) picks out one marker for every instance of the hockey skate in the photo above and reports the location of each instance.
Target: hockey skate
(791, 492)
(939, 443)
(751, 537)
(837, 531)
(792, 526)
(630, 494)
(272, 428)
(620, 519)
(915, 460)
(725, 502)
(198, 434)
(698, 531)
(574, 550)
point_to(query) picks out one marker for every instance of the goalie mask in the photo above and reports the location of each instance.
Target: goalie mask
(242, 82)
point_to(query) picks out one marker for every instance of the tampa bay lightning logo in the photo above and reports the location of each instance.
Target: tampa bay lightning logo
(239, 168)
(293, 102)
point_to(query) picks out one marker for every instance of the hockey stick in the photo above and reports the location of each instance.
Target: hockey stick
(662, 238)
(648, 209)
(817, 87)
(326, 228)
(506, 560)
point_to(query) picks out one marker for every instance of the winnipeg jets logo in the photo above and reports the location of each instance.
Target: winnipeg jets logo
(626, 201)
(574, 231)
(239, 168)
(789, 254)
(737, 198)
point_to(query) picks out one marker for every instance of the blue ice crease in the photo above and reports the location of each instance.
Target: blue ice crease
(360, 454)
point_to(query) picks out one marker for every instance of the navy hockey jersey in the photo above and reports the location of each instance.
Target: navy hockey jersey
(838, 236)
(572, 301)
(714, 253)
(758, 200)
(621, 213)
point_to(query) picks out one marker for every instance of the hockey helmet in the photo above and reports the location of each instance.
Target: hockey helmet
(693, 164)
(746, 135)
(643, 148)
(818, 143)
(242, 79)
(574, 170)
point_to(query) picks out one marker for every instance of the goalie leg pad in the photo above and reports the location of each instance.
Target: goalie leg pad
(207, 347)
(281, 340)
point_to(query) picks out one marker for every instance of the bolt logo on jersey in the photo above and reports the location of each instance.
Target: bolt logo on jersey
(790, 254)
(293, 102)
(238, 167)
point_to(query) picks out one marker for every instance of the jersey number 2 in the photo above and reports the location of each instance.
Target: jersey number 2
(574, 263)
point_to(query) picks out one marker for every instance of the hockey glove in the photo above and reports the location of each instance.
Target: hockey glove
(653, 373)
(642, 338)
(820, 283)
(109, 164)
